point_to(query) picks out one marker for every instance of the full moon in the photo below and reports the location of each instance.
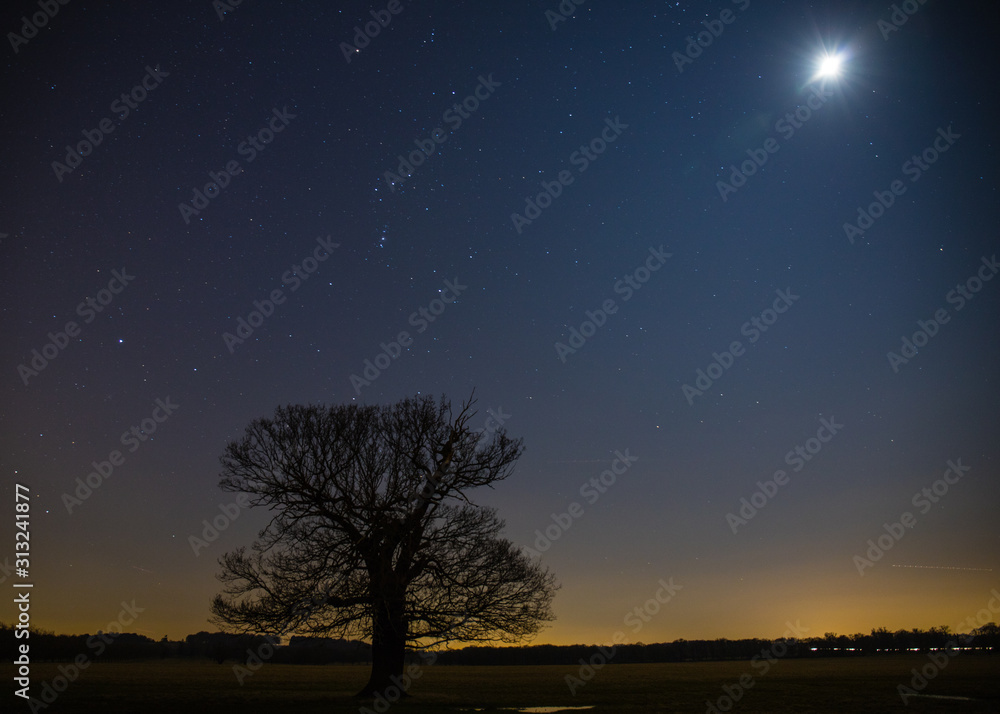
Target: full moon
(829, 67)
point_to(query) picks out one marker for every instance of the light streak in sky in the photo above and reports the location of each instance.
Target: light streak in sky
(944, 567)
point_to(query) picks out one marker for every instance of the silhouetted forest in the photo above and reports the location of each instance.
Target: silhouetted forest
(222, 647)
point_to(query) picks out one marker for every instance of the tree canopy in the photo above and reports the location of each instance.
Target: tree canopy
(373, 534)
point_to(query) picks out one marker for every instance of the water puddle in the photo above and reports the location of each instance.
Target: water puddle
(942, 696)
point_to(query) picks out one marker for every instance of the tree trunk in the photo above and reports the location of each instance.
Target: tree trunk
(388, 652)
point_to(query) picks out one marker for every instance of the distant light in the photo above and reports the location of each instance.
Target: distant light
(829, 67)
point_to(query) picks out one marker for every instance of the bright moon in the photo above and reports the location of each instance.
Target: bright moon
(830, 66)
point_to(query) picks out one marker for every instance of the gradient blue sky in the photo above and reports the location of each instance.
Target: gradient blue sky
(655, 186)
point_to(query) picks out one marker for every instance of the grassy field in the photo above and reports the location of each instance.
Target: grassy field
(822, 685)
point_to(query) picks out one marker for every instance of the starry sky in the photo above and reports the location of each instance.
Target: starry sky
(643, 232)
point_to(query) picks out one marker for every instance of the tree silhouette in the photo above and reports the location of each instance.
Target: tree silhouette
(373, 534)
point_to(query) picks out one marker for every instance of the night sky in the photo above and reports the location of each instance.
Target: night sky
(644, 234)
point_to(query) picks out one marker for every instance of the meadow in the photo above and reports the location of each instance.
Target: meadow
(857, 684)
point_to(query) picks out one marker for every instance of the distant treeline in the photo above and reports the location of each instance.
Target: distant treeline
(985, 639)
(220, 646)
(223, 647)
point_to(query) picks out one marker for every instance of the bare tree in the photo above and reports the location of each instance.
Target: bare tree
(373, 534)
